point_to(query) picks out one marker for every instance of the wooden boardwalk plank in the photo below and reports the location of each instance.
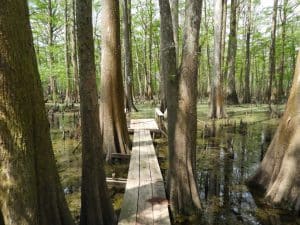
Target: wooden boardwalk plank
(145, 199)
(160, 204)
(143, 124)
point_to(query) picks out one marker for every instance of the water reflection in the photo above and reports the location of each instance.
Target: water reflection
(227, 156)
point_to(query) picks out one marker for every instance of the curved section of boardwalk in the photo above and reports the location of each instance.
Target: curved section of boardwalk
(144, 200)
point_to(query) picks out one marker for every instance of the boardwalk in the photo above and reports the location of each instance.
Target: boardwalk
(144, 200)
(143, 124)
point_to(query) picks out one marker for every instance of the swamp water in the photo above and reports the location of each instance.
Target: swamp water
(228, 152)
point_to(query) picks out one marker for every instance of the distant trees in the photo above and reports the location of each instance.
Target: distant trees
(278, 174)
(112, 115)
(96, 207)
(30, 189)
(182, 117)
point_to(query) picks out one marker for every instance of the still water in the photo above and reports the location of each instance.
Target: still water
(228, 152)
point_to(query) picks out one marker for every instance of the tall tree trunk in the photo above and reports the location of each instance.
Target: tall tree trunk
(149, 72)
(53, 85)
(280, 93)
(209, 72)
(30, 190)
(112, 115)
(232, 97)
(223, 38)
(175, 21)
(74, 55)
(96, 207)
(126, 6)
(272, 56)
(67, 55)
(182, 119)
(247, 95)
(278, 173)
(168, 67)
(217, 97)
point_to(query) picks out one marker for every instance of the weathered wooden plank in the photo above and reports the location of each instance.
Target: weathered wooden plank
(143, 124)
(129, 208)
(160, 204)
(144, 200)
(154, 166)
(134, 165)
(145, 211)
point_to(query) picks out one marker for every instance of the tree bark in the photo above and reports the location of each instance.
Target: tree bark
(30, 190)
(247, 95)
(112, 115)
(182, 119)
(272, 56)
(167, 50)
(67, 55)
(278, 174)
(217, 97)
(96, 207)
(174, 4)
(232, 97)
(74, 55)
(53, 85)
(280, 93)
(126, 6)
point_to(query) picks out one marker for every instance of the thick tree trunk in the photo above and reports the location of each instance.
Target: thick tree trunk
(30, 190)
(272, 56)
(182, 119)
(167, 51)
(217, 97)
(247, 95)
(278, 173)
(232, 97)
(96, 207)
(67, 55)
(126, 6)
(112, 115)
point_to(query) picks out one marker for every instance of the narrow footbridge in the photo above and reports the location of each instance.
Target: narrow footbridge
(145, 199)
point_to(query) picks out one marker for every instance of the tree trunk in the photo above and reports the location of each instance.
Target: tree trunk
(280, 93)
(126, 6)
(232, 97)
(175, 22)
(149, 89)
(278, 173)
(167, 51)
(182, 119)
(217, 97)
(223, 38)
(272, 56)
(247, 95)
(74, 55)
(67, 55)
(112, 115)
(53, 85)
(96, 207)
(30, 190)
